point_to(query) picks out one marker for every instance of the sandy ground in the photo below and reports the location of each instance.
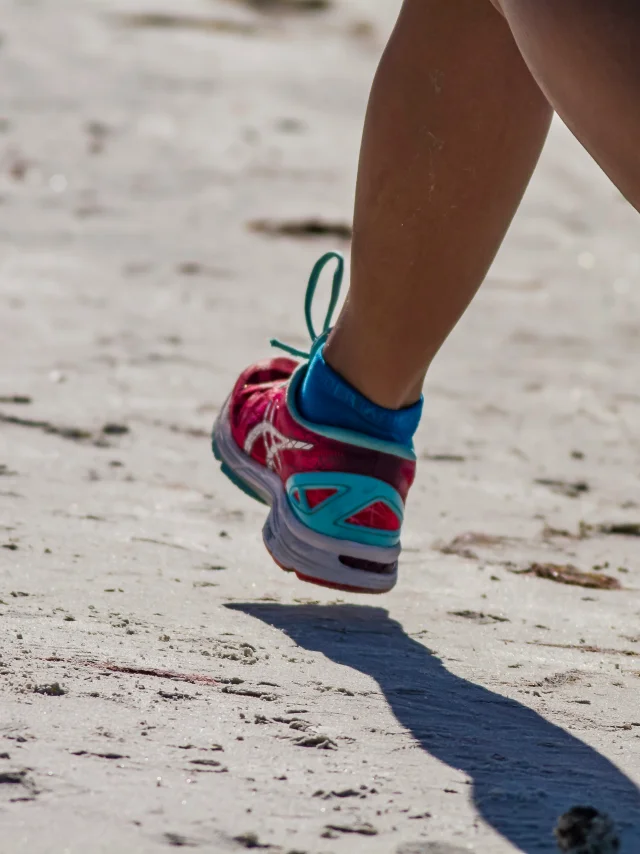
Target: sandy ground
(163, 683)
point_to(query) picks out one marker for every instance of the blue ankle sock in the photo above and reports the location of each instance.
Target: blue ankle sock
(325, 398)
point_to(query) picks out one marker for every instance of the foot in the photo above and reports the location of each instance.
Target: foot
(336, 497)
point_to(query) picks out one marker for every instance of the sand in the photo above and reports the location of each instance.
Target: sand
(163, 684)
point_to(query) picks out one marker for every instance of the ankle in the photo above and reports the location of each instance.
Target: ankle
(326, 398)
(381, 383)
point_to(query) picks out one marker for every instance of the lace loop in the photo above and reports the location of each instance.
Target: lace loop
(314, 279)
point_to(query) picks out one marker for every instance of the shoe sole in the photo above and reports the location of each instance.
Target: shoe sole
(315, 558)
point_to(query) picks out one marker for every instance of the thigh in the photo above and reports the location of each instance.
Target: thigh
(584, 56)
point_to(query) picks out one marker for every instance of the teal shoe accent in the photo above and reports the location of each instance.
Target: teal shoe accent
(317, 339)
(353, 493)
(340, 434)
(232, 476)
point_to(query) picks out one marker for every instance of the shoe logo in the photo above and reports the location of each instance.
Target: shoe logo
(274, 440)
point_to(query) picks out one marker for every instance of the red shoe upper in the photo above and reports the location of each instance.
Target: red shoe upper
(264, 428)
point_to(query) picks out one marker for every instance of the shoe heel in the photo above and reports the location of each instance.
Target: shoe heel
(320, 560)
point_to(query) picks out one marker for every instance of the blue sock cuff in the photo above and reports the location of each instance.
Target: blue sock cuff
(326, 398)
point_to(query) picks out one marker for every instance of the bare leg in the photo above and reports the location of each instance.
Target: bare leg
(585, 54)
(453, 132)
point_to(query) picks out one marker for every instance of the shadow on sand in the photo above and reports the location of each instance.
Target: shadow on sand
(526, 771)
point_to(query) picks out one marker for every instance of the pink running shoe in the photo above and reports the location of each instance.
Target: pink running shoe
(337, 497)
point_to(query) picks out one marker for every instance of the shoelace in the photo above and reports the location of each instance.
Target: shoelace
(314, 278)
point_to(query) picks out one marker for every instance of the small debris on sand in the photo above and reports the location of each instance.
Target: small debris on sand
(12, 778)
(480, 617)
(463, 543)
(250, 692)
(75, 434)
(444, 458)
(621, 529)
(177, 840)
(250, 840)
(288, 5)
(175, 695)
(52, 690)
(598, 650)
(142, 671)
(112, 429)
(584, 830)
(322, 742)
(364, 829)
(564, 487)
(311, 227)
(569, 574)
(549, 532)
